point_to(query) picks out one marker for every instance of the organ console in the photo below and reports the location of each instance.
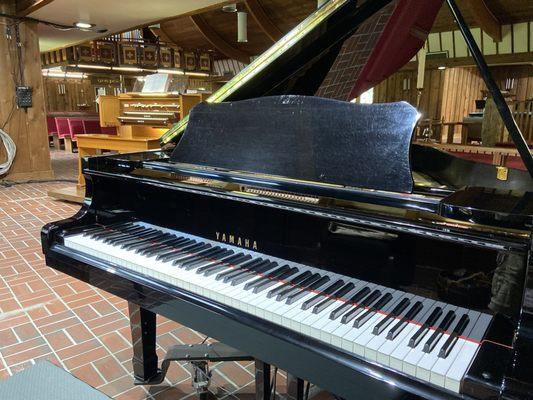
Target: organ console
(311, 234)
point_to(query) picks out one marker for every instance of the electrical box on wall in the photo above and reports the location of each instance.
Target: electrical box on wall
(24, 96)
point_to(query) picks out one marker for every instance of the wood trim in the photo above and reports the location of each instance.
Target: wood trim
(27, 7)
(217, 41)
(492, 60)
(263, 20)
(485, 18)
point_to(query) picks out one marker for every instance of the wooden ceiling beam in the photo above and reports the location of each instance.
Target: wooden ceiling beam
(26, 7)
(485, 18)
(217, 41)
(255, 8)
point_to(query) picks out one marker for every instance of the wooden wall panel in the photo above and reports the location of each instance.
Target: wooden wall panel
(69, 95)
(447, 95)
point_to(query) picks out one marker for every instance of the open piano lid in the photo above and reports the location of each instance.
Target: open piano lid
(306, 139)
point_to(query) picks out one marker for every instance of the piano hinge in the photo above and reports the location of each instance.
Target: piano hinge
(281, 195)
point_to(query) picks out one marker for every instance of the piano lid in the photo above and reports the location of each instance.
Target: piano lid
(298, 63)
(304, 138)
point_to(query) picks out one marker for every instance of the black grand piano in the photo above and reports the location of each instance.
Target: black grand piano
(311, 235)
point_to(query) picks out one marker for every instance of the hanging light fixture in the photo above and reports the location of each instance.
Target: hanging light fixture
(242, 27)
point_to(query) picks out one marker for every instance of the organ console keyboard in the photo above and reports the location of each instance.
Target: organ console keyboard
(310, 233)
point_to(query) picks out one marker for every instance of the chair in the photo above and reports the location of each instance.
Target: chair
(62, 128)
(52, 131)
(75, 126)
(91, 126)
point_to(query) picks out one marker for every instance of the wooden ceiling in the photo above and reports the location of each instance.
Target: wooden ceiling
(216, 30)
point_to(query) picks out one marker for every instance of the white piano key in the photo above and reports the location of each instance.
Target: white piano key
(361, 342)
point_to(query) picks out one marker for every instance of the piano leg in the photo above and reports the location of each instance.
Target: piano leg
(262, 381)
(295, 387)
(143, 334)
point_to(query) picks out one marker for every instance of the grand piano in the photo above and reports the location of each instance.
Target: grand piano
(312, 235)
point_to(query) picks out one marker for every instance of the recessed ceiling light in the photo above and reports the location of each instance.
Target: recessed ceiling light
(230, 8)
(83, 25)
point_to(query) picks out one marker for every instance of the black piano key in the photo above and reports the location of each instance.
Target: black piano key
(89, 230)
(248, 271)
(164, 246)
(403, 322)
(396, 311)
(168, 238)
(447, 347)
(177, 248)
(250, 275)
(97, 229)
(155, 251)
(305, 291)
(271, 282)
(296, 288)
(271, 275)
(106, 230)
(423, 330)
(355, 311)
(209, 260)
(154, 242)
(225, 262)
(185, 251)
(443, 326)
(196, 255)
(326, 292)
(338, 294)
(350, 303)
(294, 281)
(239, 268)
(110, 234)
(106, 238)
(131, 237)
(150, 237)
(373, 309)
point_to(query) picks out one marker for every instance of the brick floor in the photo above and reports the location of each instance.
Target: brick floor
(45, 314)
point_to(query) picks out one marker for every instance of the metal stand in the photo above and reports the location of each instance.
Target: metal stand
(146, 371)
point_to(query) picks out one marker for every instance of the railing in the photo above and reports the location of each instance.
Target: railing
(129, 55)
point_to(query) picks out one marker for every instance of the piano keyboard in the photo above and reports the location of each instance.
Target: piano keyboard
(429, 340)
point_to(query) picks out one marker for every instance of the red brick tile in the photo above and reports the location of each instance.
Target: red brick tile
(103, 307)
(13, 321)
(124, 355)
(116, 316)
(27, 355)
(8, 305)
(79, 333)
(58, 340)
(111, 327)
(88, 374)
(4, 374)
(86, 313)
(85, 358)
(110, 368)
(63, 324)
(26, 331)
(233, 371)
(7, 338)
(23, 346)
(114, 342)
(136, 393)
(77, 349)
(118, 386)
